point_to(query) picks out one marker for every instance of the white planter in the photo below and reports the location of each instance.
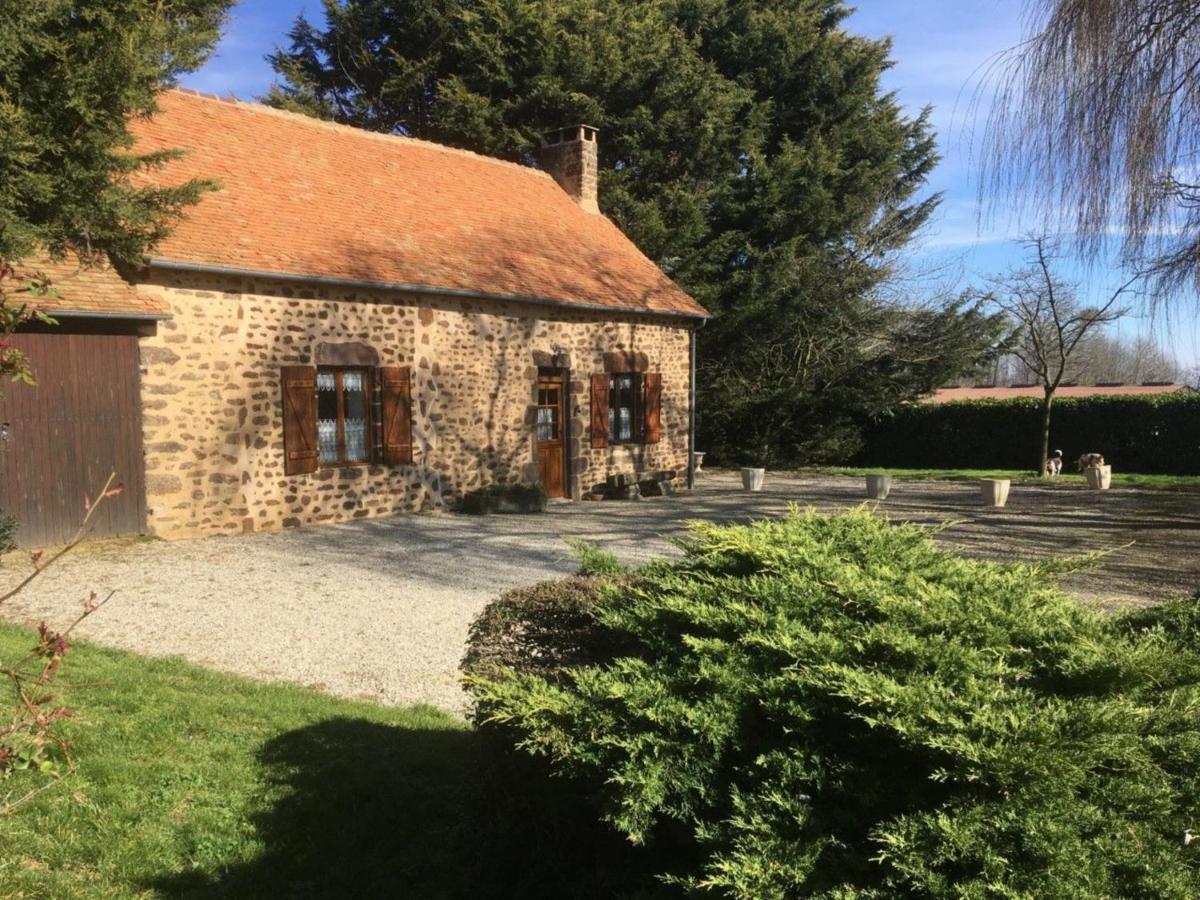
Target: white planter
(1099, 478)
(994, 491)
(698, 460)
(879, 486)
(752, 479)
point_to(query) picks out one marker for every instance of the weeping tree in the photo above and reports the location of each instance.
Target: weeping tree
(1098, 112)
(1051, 324)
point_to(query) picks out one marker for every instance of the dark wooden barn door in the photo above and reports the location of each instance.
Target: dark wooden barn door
(65, 435)
(551, 446)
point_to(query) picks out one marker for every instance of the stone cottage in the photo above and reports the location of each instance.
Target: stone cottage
(351, 325)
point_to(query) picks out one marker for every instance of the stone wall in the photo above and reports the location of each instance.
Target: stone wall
(213, 414)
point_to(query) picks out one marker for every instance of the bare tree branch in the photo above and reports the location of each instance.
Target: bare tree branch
(1051, 322)
(1095, 126)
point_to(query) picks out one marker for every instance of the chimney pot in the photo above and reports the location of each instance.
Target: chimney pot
(571, 157)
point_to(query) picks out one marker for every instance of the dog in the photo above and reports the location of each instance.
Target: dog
(1088, 460)
(1054, 463)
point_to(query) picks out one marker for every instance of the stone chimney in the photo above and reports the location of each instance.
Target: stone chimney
(571, 156)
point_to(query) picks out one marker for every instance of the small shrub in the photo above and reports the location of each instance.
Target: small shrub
(8, 532)
(505, 498)
(834, 707)
(594, 561)
(542, 629)
(30, 737)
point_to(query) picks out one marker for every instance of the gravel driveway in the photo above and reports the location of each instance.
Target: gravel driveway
(380, 609)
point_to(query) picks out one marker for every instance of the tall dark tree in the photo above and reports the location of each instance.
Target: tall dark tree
(746, 146)
(72, 73)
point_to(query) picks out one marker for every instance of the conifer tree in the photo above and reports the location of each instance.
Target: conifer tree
(72, 73)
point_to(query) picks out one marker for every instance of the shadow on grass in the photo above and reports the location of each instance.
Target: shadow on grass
(369, 810)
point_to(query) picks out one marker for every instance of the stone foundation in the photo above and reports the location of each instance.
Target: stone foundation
(212, 410)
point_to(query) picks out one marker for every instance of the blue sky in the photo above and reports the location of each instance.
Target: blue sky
(941, 49)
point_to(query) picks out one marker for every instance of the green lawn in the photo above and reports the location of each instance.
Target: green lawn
(1068, 477)
(192, 783)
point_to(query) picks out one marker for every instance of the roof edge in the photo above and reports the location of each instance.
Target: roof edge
(56, 313)
(176, 265)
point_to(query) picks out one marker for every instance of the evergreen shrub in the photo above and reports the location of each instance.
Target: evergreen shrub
(505, 498)
(834, 707)
(8, 532)
(543, 629)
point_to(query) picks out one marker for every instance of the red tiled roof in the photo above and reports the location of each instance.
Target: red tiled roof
(948, 395)
(91, 290)
(303, 197)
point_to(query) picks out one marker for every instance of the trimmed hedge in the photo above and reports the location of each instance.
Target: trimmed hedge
(1152, 435)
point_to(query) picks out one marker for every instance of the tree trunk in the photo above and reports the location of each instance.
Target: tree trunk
(1044, 449)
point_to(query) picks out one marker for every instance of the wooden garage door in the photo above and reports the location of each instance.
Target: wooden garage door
(66, 434)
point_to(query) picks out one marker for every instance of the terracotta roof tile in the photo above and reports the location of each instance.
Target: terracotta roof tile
(304, 197)
(97, 289)
(949, 395)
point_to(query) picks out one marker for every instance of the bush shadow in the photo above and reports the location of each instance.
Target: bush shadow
(358, 809)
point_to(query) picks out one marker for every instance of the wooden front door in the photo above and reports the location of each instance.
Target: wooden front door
(63, 437)
(551, 443)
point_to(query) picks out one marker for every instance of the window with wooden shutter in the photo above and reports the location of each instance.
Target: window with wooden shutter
(299, 387)
(653, 427)
(600, 388)
(396, 405)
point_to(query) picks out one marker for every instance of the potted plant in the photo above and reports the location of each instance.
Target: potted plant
(752, 478)
(879, 486)
(994, 491)
(1099, 478)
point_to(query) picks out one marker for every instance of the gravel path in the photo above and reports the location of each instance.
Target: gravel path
(379, 609)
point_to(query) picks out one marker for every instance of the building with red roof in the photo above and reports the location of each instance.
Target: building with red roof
(989, 392)
(351, 324)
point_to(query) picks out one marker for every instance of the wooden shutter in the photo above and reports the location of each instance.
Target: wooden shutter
(599, 411)
(653, 409)
(300, 453)
(395, 384)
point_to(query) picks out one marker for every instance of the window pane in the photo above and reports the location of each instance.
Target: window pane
(354, 405)
(547, 414)
(327, 416)
(621, 406)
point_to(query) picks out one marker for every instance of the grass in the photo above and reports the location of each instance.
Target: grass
(197, 784)
(1120, 479)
